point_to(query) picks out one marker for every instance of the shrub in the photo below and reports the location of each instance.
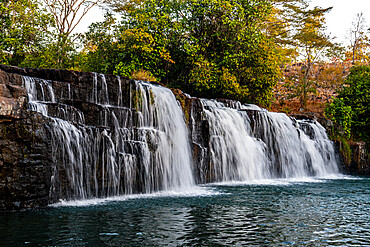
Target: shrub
(341, 115)
(356, 94)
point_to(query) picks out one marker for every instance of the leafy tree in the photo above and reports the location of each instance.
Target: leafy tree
(312, 41)
(350, 110)
(210, 48)
(39, 33)
(67, 14)
(282, 23)
(303, 29)
(100, 46)
(23, 30)
(356, 94)
(128, 47)
(49, 56)
(341, 114)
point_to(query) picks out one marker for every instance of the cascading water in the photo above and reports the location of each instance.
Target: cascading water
(235, 154)
(119, 159)
(140, 143)
(158, 110)
(247, 143)
(296, 148)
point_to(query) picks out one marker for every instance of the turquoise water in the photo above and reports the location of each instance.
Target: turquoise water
(268, 213)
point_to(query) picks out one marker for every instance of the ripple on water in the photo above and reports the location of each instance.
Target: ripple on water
(329, 212)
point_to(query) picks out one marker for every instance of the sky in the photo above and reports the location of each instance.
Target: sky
(338, 21)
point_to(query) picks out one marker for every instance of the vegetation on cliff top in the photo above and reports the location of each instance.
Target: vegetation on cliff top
(209, 48)
(260, 51)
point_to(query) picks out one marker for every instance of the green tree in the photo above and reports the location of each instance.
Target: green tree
(312, 41)
(23, 30)
(210, 48)
(67, 14)
(100, 46)
(356, 94)
(341, 115)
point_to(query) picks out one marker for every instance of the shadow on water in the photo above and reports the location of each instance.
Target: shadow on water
(325, 212)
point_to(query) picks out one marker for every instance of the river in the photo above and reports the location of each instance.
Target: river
(333, 211)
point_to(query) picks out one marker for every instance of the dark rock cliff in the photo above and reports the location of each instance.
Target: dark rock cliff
(34, 175)
(24, 147)
(26, 163)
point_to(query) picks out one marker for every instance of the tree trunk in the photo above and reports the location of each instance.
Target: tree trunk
(304, 94)
(353, 53)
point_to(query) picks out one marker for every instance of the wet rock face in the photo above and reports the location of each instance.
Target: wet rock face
(12, 97)
(360, 158)
(26, 164)
(30, 176)
(200, 138)
(358, 164)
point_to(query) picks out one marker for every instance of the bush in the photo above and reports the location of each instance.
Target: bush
(356, 94)
(341, 115)
(351, 109)
(206, 48)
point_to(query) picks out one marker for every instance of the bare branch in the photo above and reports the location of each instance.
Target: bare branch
(69, 13)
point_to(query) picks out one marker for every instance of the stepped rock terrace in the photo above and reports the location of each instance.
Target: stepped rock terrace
(69, 135)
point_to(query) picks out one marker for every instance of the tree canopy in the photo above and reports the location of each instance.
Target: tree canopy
(23, 30)
(209, 48)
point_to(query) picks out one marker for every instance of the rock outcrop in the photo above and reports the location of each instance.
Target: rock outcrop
(38, 152)
(24, 149)
(26, 163)
(358, 162)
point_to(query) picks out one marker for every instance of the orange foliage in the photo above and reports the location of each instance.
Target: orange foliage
(326, 77)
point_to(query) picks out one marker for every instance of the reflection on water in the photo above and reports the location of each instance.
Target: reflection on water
(332, 212)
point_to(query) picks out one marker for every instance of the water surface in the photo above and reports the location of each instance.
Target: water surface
(311, 212)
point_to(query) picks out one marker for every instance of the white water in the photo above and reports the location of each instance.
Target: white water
(296, 148)
(100, 163)
(196, 191)
(279, 148)
(236, 155)
(162, 111)
(145, 148)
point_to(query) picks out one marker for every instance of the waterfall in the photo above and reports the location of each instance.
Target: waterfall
(235, 154)
(159, 114)
(296, 148)
(133, 137)
(248, 143)
(116, 158)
